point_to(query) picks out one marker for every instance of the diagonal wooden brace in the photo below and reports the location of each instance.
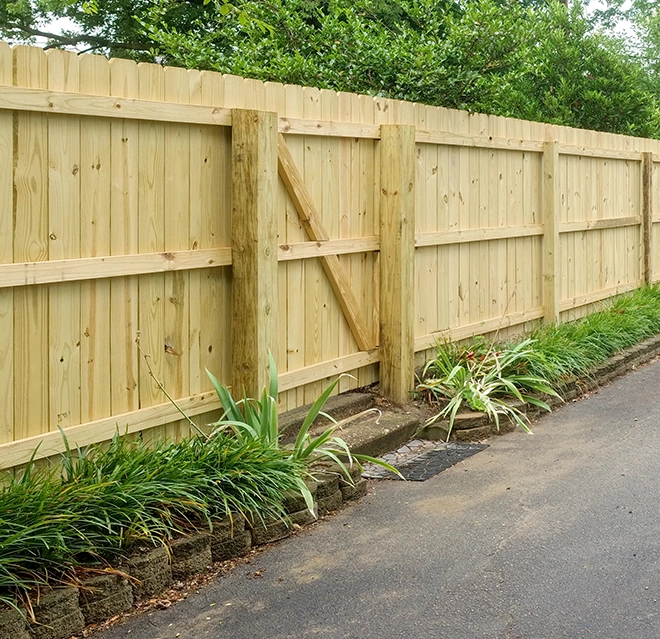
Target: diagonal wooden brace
(311, 221)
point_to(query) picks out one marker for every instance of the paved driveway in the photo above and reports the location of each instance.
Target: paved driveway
(544, 536)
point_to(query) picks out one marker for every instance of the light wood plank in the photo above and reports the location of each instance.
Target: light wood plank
(294, 232)
(316, 372)
(151, 238)
(6, 254)
(95, 234)
(597, 296)
(477, 235)
(81, 104)
(307, 250)
(647, 212)
(397, 279)
(64, 167)
(368, 223)
(451, 138)
(124, 212)
(111, 266)
(317, 291)
(596, 152)
(101, 430)
(213, 229)
(31, 370)
(176, 365)
(316, 231)
(254, 236)
(552, 203)
(310, 126)
(596, 225)
(425, 342)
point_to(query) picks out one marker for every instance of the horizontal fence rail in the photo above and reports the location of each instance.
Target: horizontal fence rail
(156, 223)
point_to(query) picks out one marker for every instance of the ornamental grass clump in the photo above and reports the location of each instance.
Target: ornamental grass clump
(566, 351)
(101, 502)
(256, 419)
(485, 377)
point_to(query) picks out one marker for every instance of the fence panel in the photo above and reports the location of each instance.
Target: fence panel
(116, 213)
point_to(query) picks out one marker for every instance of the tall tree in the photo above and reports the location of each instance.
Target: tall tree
(535, 59)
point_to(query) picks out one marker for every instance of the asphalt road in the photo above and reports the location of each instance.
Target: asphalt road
(545, 536)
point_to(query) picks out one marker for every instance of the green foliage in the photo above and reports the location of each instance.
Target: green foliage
(484, 376)
(583, 79)
(256, 420)
(102, 501)
(533, 59)
(567, 351)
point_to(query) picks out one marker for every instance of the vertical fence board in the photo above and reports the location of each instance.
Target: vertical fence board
(95, 234)
(647, 217)
(347, 215)
(397, 235)
(31, 370)
(6, 254)
(316, 285)
(151, 238)
(176, 364)
(124, 359)
(254, 234)
(551, 263)
(64, 165)
(295, 271)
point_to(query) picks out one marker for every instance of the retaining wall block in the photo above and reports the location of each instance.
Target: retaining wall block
(272, 530)
(190, 555)
(237, 546)
(13, 625)
(469, 420)
(151, 567)
(331, 502)
(328, 484)
(58, 615)
(295, 502)
(472, 434)
(437, 432)
(355, 491)
(304, 517)
(227, 528)
(105, 596)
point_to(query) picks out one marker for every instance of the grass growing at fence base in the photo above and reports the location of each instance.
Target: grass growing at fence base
(486, 376)
(101, 502)
(566, 351)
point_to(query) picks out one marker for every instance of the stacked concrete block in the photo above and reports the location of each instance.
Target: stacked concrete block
(104, 596)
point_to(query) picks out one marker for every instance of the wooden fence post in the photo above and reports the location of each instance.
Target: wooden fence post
(551, 207)
(647, 217)
(397, 261)
(254, 247)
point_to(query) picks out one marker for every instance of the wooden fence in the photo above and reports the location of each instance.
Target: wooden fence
(218, 217)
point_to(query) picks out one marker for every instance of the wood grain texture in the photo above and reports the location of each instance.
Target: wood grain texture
(124, 212)
(647, 214)
(95, 235)
(31, 321)
(6, 254)
(397, 233)
(122, 222)
(316, 231)
(64, 164)
(254, 238)
(551, 262)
